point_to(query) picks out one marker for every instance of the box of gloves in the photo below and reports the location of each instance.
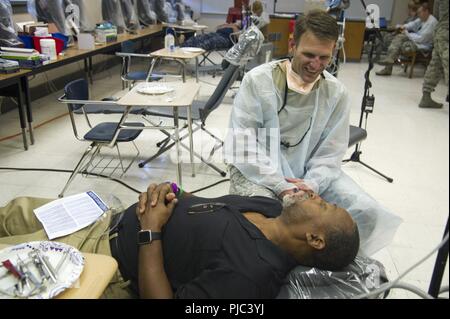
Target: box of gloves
(105, 33)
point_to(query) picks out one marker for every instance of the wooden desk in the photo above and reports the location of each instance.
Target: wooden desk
(16, 85)
(73, 54)
(180, 55)
(185, 93)
(92, 282)
(97, 273)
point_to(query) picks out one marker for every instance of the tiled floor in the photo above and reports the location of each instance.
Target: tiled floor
(405, 142)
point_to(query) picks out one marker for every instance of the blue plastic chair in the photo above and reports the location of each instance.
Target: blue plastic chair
(126, 74)
(110, 134)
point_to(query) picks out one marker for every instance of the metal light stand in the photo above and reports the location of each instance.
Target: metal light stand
(367, 105)
(439, 268)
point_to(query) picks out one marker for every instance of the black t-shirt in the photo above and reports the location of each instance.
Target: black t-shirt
(218, 254)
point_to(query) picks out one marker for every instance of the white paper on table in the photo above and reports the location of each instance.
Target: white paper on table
(67, 215)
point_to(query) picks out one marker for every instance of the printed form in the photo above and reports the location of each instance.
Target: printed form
(67, 215)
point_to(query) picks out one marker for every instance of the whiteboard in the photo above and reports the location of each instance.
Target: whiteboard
(355, 11)
(216, 6)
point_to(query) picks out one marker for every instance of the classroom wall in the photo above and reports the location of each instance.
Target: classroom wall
(22, 17)
(400, 12)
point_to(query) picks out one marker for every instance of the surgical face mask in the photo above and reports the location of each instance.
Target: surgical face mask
(295, 81)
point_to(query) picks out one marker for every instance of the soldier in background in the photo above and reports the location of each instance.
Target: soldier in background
(414, 36)
(390, 33)
(438, 66)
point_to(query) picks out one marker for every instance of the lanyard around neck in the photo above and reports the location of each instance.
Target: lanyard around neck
(284, 97)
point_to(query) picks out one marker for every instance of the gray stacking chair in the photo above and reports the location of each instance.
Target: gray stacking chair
(200, 113)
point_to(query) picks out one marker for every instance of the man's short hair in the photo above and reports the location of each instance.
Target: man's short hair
(257, 7)
(319, 23)
(341, 248)
(413, 5)
(425, 6)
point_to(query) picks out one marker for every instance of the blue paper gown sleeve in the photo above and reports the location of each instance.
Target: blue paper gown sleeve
(252, 143)
(377, 225)
(324, 165)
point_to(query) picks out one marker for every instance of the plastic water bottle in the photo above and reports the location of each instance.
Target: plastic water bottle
(169, 41)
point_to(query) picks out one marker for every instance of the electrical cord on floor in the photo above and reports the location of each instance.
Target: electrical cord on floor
(413, 289)
(68, 171)
(99, 175)
(385, 287)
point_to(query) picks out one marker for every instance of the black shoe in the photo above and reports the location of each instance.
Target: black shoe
(427, 102)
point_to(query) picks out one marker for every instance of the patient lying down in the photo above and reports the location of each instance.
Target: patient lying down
(226, 247)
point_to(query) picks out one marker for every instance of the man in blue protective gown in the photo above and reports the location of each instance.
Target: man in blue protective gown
(289, 130)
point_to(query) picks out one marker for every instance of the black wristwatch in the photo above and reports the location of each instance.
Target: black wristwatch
(147, 236)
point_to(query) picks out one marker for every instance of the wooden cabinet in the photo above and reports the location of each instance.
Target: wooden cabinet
(278, 34)
(354, 39)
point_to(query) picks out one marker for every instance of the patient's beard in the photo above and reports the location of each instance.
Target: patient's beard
(290, 200)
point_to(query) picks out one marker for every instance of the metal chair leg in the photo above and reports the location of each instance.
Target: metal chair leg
(120, 159)
(212, 135)
(163, 142)
(85, 169)
(131, 162)
(77, 169)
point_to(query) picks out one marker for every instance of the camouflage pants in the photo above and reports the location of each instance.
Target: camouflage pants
(400, 44)
(387, 40)
(240, 185)
(438, 66)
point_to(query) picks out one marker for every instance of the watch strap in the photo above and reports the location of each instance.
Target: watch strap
(147, 236)
(156, 236)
